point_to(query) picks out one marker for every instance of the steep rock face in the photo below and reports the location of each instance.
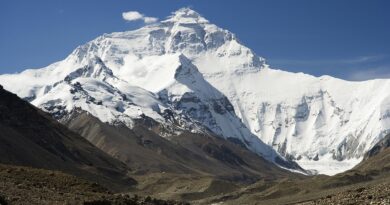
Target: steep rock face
(323, 123)
(193, 97)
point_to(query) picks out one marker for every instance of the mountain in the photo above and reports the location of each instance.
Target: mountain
(29, 137)
(189, 75)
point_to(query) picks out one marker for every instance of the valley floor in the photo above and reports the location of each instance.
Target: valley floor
(24, 185)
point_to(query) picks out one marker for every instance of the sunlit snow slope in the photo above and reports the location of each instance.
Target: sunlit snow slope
(187, 70)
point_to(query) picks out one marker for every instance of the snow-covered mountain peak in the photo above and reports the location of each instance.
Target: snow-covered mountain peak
(214, 50)
(190, 33)
(186, 16)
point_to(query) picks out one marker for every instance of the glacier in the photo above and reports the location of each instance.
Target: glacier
(187, 73)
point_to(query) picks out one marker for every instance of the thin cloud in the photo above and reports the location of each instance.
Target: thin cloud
(136, 16)
(351, 61)
(355, 69)
(363, 59)
(382, 72)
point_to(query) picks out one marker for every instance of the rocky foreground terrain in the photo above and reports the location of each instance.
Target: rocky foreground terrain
(374, 194)
(24, 185)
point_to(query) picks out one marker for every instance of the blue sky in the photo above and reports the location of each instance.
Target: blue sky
(349, 39)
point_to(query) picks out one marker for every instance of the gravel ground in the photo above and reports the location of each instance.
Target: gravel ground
(373, 194)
